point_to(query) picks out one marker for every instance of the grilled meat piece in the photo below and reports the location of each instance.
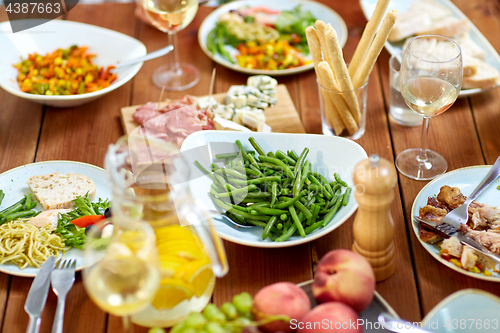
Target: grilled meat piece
(451, 196)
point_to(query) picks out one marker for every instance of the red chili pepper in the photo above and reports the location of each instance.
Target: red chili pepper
(87, 220)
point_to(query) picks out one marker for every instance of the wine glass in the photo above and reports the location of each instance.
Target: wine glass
(121, 273)
(171, 16)
(430, 80)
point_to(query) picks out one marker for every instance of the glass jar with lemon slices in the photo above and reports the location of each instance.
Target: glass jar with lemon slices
(149, 179)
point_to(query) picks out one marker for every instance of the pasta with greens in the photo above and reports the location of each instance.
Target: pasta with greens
(26, 245)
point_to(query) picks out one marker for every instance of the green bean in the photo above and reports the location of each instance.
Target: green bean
(278, 162)
(285, 191)
(252, 160)
(313, 227)
(345, 198)
(296, 184)
(220, 46)
(293, 155)
(315, 209)
(231, 210)
(289, 202)
(13, 209)
(256, 146)
(258, 195)
(269, 225)
(340, 181)
(307, 213)
(274, 193)
(217, 188)
(252, 200)
(2, 195)
(336, 187)
(215, 167)
(286, 182)
(336, 196)
(271, 154)
(326, 184)
(242, 150)
(289, 233)
(269, 211)
(27, 203)
(313, 179)
(256, 169)
(296, 221)
(282, 156)
(264, 179)
(243, 209)
(230, 172)
(6, 211)
(224, 156)
(19, 215)
(300, 161)
(264, 165)
(329, 216)
(241, 190)
(211, 45)
(327, 194)
(237, 219)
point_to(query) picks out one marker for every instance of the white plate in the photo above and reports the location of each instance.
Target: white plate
(327, 155)
(492, 56)
(110, 47)
(13, 183)
(468, 310)
(320, 11)
(466, 179)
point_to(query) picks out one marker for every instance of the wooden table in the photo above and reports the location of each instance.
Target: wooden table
(466, 135)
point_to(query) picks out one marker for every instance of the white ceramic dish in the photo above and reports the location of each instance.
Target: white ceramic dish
(109, 46)
(466, 179)
(468, 310)
(327, 156)
(13, 183)
(492, 57)
(320, 11)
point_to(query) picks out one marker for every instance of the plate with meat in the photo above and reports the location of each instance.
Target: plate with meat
(448, 192)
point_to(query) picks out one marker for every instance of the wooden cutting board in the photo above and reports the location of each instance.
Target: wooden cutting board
(283, 118)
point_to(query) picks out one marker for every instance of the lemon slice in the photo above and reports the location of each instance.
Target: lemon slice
(171, 293)
(197, 274)
(170, 264)
(134, 240)
(184, 250)
(173, 232)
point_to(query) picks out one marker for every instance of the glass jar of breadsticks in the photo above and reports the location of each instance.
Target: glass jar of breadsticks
(343, 89)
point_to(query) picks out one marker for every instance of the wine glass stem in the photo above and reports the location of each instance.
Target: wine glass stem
(128, 327)
(422, 157)
(172, 40)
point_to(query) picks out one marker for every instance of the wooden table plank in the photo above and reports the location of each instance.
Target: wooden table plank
(452, 134)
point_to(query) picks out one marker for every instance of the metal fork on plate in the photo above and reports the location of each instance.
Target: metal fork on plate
(62, 280)
(452, 221)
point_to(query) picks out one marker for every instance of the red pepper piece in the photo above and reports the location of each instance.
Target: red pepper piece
(87, 220)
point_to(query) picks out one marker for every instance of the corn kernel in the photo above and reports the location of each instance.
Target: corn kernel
(58, 61)
(79, 71)
(456, 262)
(487, 273)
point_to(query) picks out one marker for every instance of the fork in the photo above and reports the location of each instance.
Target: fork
(451, 222)
(62, 280)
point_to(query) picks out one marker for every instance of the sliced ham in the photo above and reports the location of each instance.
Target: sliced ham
(175, 121)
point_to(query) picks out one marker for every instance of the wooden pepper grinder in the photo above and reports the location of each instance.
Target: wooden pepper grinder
(373, 228)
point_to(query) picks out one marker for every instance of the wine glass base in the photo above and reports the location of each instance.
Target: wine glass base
(176, 79)
(408, 163)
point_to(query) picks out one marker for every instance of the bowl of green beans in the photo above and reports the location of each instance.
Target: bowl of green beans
(293, 188)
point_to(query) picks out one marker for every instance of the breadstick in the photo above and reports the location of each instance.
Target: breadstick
(378, 43)
(367, 36)
(330, 111)
(340, 72)
(322, 28)
(326, 74)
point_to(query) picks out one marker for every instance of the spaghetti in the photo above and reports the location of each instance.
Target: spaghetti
(26, 245)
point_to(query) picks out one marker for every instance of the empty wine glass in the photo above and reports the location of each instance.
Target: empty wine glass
(170, 16)
(430, 80)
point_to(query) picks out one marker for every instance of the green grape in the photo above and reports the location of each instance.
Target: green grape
(214, 328)
(177, 328)
(229, 310)
(189, 330)
(241, 321)
(157, 330)
(195, 320)
(243, 302)
(212, 313)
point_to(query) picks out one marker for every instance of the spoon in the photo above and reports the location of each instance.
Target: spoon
(149, 56)
(394, 324)
(225, 218)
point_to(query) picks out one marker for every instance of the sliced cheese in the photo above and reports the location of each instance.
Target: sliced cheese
(222, 124)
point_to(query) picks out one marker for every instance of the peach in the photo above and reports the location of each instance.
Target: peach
(344, 276)
(329, 317)
(282, 298)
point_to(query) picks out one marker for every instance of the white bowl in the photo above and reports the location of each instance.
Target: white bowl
(110, 47)
(327, 155)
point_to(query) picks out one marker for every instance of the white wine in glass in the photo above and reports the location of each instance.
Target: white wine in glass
(430, 80)
(122, 269)
(170, 16)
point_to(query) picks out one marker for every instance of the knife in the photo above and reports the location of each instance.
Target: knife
(37, 296)
(446, 232)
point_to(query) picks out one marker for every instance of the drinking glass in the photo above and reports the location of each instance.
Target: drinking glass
(121, 273)
(430, 80)
(170, 16)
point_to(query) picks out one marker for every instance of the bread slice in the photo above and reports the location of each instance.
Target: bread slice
(408, 24)
(470, 48)
(470, 64)
(485, 77)
(56, 190)
(448, 27)
(435, 10)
